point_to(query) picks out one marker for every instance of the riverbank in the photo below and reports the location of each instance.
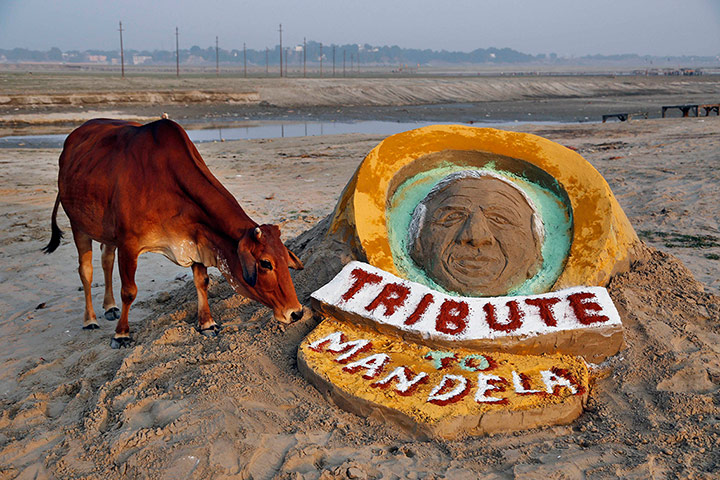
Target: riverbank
(55, 101)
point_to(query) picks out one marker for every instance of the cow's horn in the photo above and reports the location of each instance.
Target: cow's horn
(258, 233)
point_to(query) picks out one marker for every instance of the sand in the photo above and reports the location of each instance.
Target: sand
(180, 405)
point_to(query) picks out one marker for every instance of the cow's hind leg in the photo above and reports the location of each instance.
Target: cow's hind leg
(112, 312)
(83, 243)
(127, 264)
(206, 325)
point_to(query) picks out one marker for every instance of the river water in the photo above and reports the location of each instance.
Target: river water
(271, 129)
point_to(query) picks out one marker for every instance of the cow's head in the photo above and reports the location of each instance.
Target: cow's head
(264, 261)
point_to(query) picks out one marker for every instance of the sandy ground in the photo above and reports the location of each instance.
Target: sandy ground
(179, 405)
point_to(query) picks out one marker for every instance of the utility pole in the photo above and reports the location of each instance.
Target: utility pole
(321, 59)
(244, 61)
(267, 61)
(352, 56)
(304, 57)
(281, 50)
(177, 52)
(122, 54)
(286, 58)
(333, 60)
(217, 57)
(343, 62)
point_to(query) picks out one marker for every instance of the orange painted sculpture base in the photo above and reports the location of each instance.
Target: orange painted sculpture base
(441, 393)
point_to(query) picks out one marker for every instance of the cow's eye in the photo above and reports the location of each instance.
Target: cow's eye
(266, 265)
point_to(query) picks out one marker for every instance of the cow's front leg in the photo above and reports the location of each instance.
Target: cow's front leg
(112, 312)
(127, 264)
(206, 325)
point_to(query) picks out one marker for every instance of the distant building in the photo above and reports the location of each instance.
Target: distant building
(194, 60)
(141, 59)
(690, 71)
(97, 58)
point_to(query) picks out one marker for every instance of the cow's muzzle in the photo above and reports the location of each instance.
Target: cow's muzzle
(292, 316)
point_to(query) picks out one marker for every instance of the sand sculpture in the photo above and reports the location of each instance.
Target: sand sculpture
(476, 295)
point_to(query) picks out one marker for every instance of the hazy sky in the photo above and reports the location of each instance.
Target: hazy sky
(566, 27)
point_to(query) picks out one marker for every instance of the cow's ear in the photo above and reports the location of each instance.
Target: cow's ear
(294, 261)
(249, 267)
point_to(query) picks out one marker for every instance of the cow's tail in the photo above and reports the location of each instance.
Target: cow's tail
(56, 232)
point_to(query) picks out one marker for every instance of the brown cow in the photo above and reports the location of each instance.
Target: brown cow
(144, 188)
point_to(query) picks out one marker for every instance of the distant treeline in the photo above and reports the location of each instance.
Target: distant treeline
(353, 53)
(364, 54)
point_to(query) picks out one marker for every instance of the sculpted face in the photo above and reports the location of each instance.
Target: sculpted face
(478, 237)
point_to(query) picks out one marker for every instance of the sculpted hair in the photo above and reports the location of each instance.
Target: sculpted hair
(418, 216)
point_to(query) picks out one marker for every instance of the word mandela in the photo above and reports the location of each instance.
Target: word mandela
(441, 392)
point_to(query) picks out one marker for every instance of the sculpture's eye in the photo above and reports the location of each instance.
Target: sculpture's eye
(451, 218)
(266, 265)
(498, 219)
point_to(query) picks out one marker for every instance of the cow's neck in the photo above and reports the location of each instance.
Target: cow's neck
(224, 213)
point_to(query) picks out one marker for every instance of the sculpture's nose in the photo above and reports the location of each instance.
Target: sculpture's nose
(475, 231)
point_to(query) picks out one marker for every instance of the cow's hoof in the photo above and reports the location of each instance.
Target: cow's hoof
(121, 342)
(211, 331)
(112, 314)
(91, 326)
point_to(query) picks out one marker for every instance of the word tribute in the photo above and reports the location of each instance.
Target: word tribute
(579, 321)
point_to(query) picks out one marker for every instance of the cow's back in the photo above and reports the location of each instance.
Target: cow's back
(120, 178)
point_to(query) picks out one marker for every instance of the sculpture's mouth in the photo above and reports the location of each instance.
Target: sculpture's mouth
(480, 273)
(481, 264)
(471, 263)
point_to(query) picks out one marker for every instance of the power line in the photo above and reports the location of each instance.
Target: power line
(281, 51)
(177, 52)
(122, 53)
